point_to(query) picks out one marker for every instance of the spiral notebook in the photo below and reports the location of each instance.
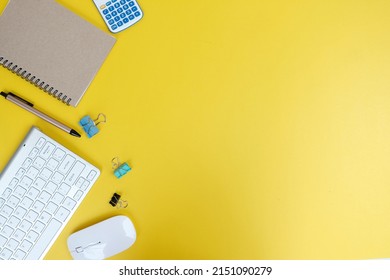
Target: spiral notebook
(51, 47)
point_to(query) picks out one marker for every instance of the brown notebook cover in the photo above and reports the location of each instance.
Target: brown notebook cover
(51, 47)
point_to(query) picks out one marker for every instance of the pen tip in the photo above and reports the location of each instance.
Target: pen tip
(74, 133)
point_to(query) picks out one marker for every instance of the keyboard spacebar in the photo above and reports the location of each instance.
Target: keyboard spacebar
(43, 241)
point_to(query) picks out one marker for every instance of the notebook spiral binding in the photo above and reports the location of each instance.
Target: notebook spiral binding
(34, 80)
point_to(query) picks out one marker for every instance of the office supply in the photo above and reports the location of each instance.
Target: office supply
(121, 169)
(51, 47)
(40, 189)
(119, 14)
(116, 201)
(103, 240)
(30, 107)
(90, 126)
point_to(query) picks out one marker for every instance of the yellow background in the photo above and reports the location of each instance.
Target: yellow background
(255, 129)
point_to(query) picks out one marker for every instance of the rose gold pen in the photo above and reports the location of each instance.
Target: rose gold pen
(30, 107)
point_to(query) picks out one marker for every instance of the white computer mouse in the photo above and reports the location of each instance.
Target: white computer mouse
(102, 240)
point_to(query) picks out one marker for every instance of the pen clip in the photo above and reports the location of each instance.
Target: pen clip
(21, 99)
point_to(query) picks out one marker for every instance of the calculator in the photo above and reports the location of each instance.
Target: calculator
(119, 14)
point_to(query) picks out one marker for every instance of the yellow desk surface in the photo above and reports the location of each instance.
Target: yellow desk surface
(255, 129)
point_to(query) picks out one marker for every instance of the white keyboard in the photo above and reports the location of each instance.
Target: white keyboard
(40, 189)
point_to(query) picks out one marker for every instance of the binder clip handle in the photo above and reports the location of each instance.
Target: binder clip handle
(90, 126)
(120, 169)
(117, 202)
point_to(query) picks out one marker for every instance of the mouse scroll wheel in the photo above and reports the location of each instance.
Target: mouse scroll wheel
(79, 249)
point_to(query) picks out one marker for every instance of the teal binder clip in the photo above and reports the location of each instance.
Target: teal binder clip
(120, 169)
(90, 126)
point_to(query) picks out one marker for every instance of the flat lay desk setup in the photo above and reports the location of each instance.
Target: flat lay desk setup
(200, 130)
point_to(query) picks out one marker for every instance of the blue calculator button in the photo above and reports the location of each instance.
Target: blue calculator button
(111, 8)
(108, 3)
(120, 23)
(137, 14)
(134, 9)
(123, 15)
(111, 21)
(117, 5)
(114, 13)
(105, 11)
(120, 10)
(113, 1)
(114, 27)
(131, 3)
(125, 20)
(123, 2)
(117, 18)
(125, 7)
(131, 17)
(108, 17)
(128, 12)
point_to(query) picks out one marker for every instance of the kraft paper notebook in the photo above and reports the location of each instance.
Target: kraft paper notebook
(51, 47)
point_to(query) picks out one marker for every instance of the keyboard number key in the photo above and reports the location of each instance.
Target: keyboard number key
(58, 154)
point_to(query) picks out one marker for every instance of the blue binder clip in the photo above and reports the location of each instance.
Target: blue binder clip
(120, 169)
(90, 126)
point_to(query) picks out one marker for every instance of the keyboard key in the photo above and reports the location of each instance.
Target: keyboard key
(13, 201)
(62, 214)
(6, 254)
(20, 173)
(57, 178)
(44, 197)
(46, 174)
(20, 191)
(26, 245)
(50, 187)
(3, 240)
(20, 212)
(39, 162)
(26, 182)
(51, 207)
(26, 202)
(7, 231)
(27, 163)
(18, 235)
(25, 225)
(69, 203)
(59, 154)
(33, 153)
(13, 183)
(32, 236)
(57, 198)
(38, 206)
(47, 150)
(40, 143)
(74, 173)
(44, 217)
(52, 164)
(49, 233)
(66, 164)
(19, 255)
(31, 216)
(33, 193)
(91, 175)
(7, 192)
(12, 244)
(2, 221)
(13, 222)
(32, 172)
(6, 211)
